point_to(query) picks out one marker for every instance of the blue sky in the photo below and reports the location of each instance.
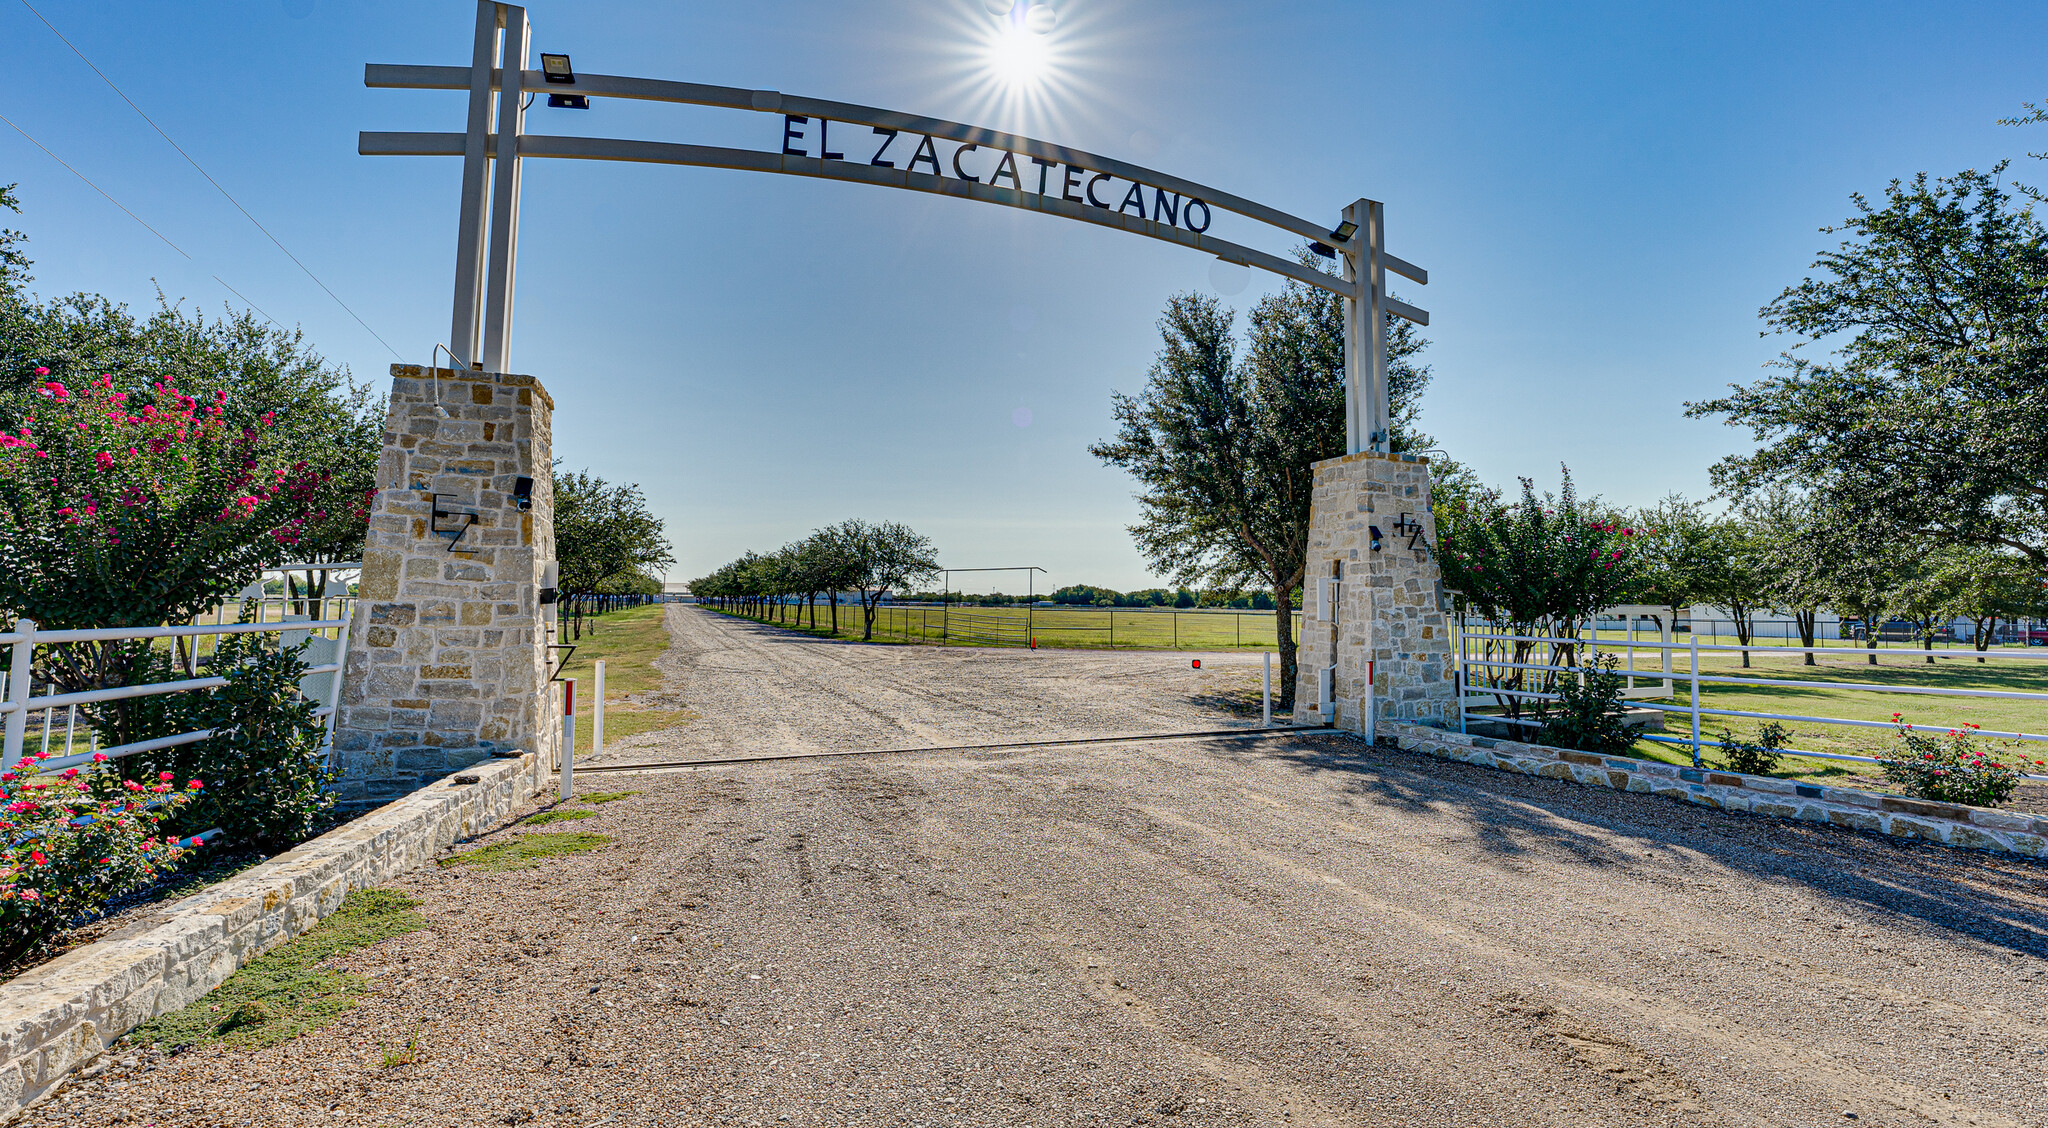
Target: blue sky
(1604, 194)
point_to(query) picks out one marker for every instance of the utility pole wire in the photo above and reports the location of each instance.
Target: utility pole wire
(210, 180)
(133, 216)
(94, 187)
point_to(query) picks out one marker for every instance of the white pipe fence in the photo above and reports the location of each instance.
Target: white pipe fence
(1478, 692)
(19, 704)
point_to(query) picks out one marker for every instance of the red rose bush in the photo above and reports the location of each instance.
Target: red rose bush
(76, 839)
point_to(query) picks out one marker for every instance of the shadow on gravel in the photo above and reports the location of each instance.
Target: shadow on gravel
(1993, 898)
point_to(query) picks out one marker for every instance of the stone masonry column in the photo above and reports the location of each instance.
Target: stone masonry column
(1383, 607)
(447, 648)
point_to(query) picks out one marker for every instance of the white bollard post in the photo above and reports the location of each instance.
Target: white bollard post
(568, 739)
(1266, 694)
(597, 711)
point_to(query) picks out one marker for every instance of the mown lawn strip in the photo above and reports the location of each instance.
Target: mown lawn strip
(285, 992)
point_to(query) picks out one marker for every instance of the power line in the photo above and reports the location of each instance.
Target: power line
(94, 187)
(131, 215)
(209, 179)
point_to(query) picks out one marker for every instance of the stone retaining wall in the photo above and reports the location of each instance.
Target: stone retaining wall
(1952, 824)
(59, 1016)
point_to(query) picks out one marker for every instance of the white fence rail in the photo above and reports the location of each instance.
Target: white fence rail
(1689, 677)
(56, 714)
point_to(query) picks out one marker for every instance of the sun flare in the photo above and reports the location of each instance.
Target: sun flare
(1017, 56)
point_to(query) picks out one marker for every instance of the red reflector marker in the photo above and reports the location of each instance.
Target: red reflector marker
(1198, 663)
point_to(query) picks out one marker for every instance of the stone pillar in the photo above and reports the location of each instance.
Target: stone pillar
(1388, 607)
(447, 648)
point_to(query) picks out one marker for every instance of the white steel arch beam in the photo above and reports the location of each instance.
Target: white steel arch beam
(395, 76)
(752, 160)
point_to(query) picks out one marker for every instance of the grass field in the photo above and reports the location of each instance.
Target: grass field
(1067, 628)
(629, 641)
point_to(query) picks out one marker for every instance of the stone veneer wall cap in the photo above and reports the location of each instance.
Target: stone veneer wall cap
(1365, 455)
(510, 379)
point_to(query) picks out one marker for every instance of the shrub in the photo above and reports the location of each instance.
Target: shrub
(1589, 715)
(76, 840)
(1951, 768)
(268, 782)
(1759, 758)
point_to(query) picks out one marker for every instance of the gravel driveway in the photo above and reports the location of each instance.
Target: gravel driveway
(763, 689)
(1275, 931)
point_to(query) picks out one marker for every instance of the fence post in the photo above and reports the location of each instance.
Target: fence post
(568, 739)
(340, 661)
(1693, 638)
(17, 691)
(1458, 666)
(597, 711)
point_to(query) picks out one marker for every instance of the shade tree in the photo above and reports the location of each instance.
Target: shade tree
(871, 559)
(1222, 439)
(1912, 391)
(604, 536)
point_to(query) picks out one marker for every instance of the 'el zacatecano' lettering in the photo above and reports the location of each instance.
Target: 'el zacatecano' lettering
(805, 137)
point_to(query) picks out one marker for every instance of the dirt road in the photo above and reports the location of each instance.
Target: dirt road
(1282, 931)
(762, 689)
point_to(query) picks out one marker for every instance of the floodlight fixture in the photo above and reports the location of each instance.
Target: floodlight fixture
(556, 69)
(522, 493)
(1344, 231)
(568, 102)
(1323, 249)
(1375, 537)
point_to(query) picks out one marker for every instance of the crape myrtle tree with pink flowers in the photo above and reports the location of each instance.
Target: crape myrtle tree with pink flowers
(1536, 566)
(150, 468)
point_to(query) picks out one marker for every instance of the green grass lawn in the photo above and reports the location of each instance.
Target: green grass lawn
(629, 641)
(1053, 627)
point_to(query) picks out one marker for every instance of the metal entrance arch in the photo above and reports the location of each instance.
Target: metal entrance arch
(500, 86)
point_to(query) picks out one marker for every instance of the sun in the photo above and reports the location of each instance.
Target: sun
(1018, 64)
(1018, 57)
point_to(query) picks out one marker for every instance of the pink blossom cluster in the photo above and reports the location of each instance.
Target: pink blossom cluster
(127, 458)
